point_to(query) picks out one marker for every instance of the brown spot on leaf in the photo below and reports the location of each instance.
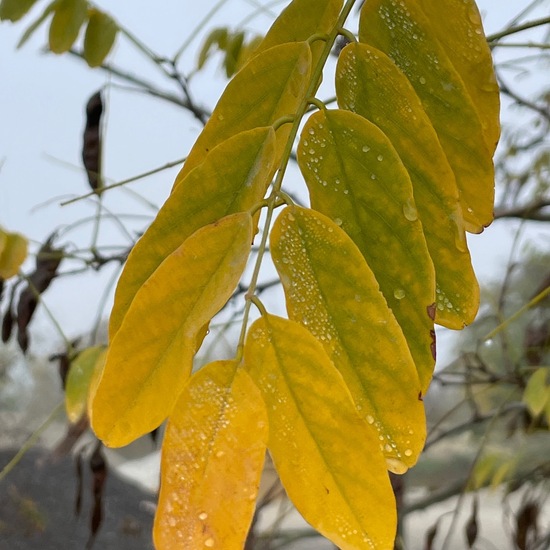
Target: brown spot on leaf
(431, 311)
(433, 344)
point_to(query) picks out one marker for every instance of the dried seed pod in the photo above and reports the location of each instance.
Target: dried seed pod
(91, 147)
(98, 467)
(47, 264)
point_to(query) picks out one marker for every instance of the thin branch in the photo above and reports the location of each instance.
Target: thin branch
(519, 28)
(531, 211)
(543, 111)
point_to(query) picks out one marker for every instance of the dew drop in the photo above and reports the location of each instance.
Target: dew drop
(366, 148)
(396, 466)
(422, 80)
(209, 543)
(203, 516)
(380, 158)
(370, 419)
(408, 452)
(409, 211)
(338, 221)
(398, 293)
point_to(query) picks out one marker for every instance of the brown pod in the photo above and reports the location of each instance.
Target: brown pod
(91, 146)
(47, 263)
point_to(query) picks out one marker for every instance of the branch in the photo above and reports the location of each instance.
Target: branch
(525, 102)
(519, 28)
(149, 88)
(532, 211)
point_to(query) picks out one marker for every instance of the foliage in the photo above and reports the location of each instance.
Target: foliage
(395, 175)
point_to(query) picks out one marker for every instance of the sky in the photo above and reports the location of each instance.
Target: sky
(42, 99)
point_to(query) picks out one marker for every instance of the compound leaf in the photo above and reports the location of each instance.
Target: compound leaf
(330, 289)
(68, 17)
(406, 35)
(269, 87)
(150, 357)
(370, 84)
(355, 177)
(328, 459)
(233, 178)
(212, 458)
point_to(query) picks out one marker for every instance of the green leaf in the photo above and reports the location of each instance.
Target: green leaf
(99, 38)
(537, 392)
(300, 20)
(218, 37)
(13, 10)
(150, 357)
(13, 251)
(463, 39)
(370, 84)
(79, 380)
(269, 87)
(69, 16)
(355, 177)
(212, 457)
(330, 289)
(405, 34)
(328, 459)
(234, 177)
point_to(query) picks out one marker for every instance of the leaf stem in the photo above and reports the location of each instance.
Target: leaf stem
(272, 201)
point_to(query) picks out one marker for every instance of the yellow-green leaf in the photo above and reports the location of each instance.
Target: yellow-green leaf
(330, 289)
(355, 177)
(537, 392)
(370, 84)
(99, 38)
(79, 380)
(68, 17)
(212, 458)
(464, 41)
(13, 251)
(269, 87)
(150, 357)
(328, 459)
(300, 20)
(234, 177)
(36, 23)
(13, 10)
(405, 34)
(217, 37)
(233, 52)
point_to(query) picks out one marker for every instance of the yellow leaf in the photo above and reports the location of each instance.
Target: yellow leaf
(463, 39)
(13, 10)
(150, 357)
(269, 87)
(212, 458)
(300, 20)
(330, 289)
(13, 251)
(328, 459)
(370, 84)
(99, 38)
(355, 177)
(406, 35)
(79, 380)
(234, 177)
(537, 392)
(68, 17)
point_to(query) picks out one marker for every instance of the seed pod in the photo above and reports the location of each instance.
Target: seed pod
(98, 467)
(47, 263)
(91, 147)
